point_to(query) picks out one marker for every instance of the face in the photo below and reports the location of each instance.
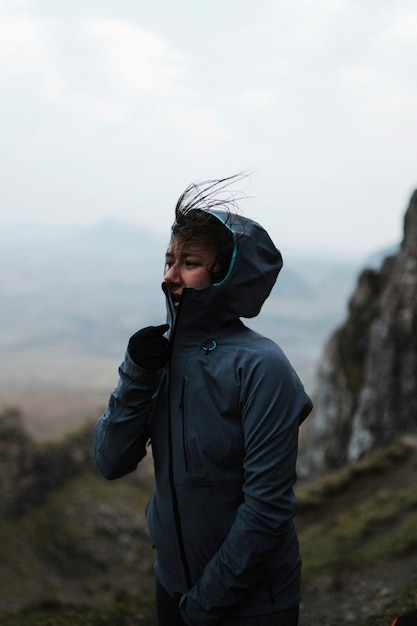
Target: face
(188, 265)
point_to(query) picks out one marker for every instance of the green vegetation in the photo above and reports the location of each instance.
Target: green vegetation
(120, 614)
(375, 532)
(406, 602)
(378, 529)
(339, 481)
(361, 517)
(90, 537)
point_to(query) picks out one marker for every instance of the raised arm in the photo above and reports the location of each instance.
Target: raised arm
(122, 431)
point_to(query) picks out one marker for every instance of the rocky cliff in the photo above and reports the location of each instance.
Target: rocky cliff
(67, 536)
(367, 379)
(29, 471)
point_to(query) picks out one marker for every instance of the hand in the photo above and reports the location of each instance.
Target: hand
(148, 348)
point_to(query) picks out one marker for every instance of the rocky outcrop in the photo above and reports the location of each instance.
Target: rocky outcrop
(29, 471)
(367, 380)
(67, 536)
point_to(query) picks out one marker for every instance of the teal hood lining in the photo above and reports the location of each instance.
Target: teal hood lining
(234, 253)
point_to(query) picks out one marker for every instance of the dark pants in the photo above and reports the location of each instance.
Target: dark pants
(167, 611)
(168, 614)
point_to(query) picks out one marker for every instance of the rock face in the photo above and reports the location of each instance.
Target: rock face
(29, 472)
(367, 381)
(67, 536)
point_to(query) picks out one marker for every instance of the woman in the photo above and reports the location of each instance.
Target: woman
(222, 406)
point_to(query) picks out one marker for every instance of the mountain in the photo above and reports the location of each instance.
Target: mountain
(367, 379)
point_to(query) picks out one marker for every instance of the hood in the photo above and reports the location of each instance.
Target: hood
(253, 270)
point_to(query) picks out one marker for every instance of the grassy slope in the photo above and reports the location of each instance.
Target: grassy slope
(87, 546)
(356, 523)
(359, 519)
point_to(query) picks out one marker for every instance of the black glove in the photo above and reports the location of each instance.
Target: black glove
(148, 348)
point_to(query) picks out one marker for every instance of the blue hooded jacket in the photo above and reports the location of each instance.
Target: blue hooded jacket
(223, 418)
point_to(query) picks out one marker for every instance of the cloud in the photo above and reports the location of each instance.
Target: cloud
(261, 99)
(15, 4)
(53, 87)
(328, 5)
(141, 61)
(403, 29)
(108, 110)
(200, 130)
(359, 76)
(21, 47)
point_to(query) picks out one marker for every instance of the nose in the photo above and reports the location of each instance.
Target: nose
(171, 274)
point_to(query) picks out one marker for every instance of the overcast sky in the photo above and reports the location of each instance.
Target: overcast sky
(111, 108)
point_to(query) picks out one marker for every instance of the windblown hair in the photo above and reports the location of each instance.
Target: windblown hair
(193, 220)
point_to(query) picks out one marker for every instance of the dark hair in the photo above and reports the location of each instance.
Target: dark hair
(193, 219)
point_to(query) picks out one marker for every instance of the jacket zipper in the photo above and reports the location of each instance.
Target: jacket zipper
(184, 439)
(174, 497)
